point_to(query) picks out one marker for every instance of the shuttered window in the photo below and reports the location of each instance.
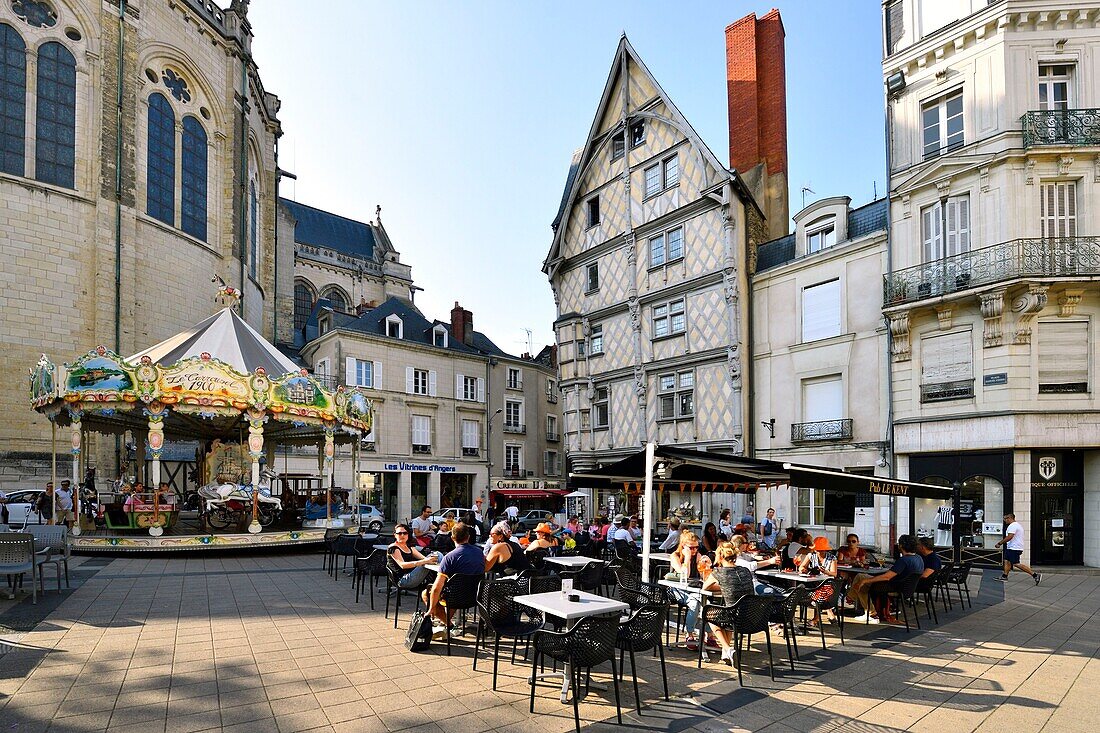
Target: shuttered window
(945, 228)
(421, 434)
(947, 367)
(823, 399)
(471, 437)
(1063, 357)
(1059, 209)
(821, 311)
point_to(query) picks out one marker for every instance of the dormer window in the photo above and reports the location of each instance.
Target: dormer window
(820, 234)
(439, 336)
(324, 324)
(394, 327)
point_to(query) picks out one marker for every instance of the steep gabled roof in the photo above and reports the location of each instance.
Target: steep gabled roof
(324, 229)
(625, 55)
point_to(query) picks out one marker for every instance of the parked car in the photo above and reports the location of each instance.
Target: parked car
(20, 505)
(449, 513)
(531, 519)
(371, 517)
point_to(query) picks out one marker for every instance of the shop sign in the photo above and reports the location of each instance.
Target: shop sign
(888, 488)
(992, 528)
(992, 380)
(203, 378)
(421, 467)
(1048, 471)
(530, 484)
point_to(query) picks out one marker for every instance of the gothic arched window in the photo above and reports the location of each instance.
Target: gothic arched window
(160, 187)
(303, 304)
(55, 127)
(13, 100)
(193, 200)
(253, 233)
(337, 299)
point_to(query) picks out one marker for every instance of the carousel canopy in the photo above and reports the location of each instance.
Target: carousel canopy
(226, 336)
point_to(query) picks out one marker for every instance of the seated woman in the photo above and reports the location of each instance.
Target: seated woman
(573, 525)
(852, 553)
(724, 557)
(692, 566)
(742, 559)
(407, 561)
(710, 539)
(544, 539)
(504, 555)
(819, 561)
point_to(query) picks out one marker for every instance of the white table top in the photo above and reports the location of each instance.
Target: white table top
(688, 589)
(556, 604)
(433, 566)
(571, 561)
(661, 556)
(873, 570)
(796, 577)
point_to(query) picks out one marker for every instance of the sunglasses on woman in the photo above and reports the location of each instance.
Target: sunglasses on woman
(400, 534)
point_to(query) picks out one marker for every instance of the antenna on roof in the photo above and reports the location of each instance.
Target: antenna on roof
(805, 190)
(530, 343)
(874, 189)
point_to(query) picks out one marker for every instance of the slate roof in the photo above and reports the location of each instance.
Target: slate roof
(574, 166)
(325, 229)
(861, 222)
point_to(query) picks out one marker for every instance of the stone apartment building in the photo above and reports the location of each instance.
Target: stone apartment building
(137, 160)
(994, 164)
(819, 359)
(653, 244)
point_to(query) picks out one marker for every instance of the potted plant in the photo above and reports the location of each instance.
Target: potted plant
(962, 280)
(897, 289)
(924, 289)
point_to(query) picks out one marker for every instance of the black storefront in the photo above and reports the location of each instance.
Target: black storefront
(1057, 502)
(985, 495)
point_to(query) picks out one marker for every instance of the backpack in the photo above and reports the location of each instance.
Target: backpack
(768, 528)
(419, 636)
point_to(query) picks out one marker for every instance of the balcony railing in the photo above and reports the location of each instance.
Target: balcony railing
(1061, 127)
(514, 384)
(805, 432)
(511, 427)
(552, 398)
(1016, 258)
(553, 437)
(960, 389)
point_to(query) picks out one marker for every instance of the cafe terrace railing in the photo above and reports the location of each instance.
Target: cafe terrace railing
(1061, 127)
(1016, 258)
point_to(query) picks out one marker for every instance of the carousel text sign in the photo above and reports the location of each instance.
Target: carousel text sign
(203, 379)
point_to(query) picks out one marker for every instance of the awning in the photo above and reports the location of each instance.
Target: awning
(852, 483)
(528, 493)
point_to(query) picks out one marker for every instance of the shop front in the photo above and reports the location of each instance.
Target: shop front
(399, 488)
(1057, 503)
(985, 481)
(526, 494)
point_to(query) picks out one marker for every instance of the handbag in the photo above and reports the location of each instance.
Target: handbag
(419, 636)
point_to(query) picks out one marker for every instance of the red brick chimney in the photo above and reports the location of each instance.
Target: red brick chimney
(462, 324)
(756, 83)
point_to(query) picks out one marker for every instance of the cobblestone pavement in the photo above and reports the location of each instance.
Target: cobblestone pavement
(274, 644)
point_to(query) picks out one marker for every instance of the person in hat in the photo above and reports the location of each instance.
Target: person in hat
(503, 554)
(479, 518)
(544, 538)
(63, 500)
(820, 559)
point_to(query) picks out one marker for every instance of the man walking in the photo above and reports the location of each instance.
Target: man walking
(1014, 550)
(767, 530)
(64, 501)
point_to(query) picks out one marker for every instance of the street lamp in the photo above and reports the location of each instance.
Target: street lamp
(488, 453)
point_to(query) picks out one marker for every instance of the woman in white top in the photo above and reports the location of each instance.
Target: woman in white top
(724, 527)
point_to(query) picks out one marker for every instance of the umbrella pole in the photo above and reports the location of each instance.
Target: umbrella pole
(647, 509)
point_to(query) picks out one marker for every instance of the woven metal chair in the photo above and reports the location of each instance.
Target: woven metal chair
(17, 556)
(640, 633)
(926, 590)
(828, 596)
(748, 615)
(460, 595)
(956, 576)
(588, 578)
(500, 616)
(634, 593)
(588, 644)
(783, 614)
(904, 592)
(372, 567)
(393, 574)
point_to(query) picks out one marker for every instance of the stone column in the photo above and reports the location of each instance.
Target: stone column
(404, 496)
(433, 490)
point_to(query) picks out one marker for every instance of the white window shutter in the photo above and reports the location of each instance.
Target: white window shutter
(821, 311)
(521, 414)
(823, 400)
(481, 389)
(431, 383)
(349, 369)
(1063, 352)
(459, 395)
(946, 358)
(376, 377)
(409, 383)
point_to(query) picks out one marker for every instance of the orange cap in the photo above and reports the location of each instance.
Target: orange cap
(544, 527)
(821, 544)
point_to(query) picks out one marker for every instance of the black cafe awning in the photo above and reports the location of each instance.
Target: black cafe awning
(706, 471)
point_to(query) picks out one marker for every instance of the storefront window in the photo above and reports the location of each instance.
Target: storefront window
(420, 492)
(929, 520)
(981, 502)
(455, 489)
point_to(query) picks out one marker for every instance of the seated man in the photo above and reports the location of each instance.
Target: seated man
(672, 541)
(623, 538)
(423, 531)
(867, 589)
(927, 551)
(466, 559)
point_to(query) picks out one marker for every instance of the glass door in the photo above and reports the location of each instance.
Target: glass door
(1056, 529)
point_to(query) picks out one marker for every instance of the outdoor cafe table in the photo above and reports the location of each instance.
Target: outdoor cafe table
(872, 571)
(571, 561)
(660, 557)
(555, 603)
(793, 577)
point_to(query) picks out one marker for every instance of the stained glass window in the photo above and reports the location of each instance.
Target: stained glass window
(35, 12)
(161, 184)
(55, 127)
(13, 100)
(177, 85)
(253, 234)
(303, 304)
(193, 199)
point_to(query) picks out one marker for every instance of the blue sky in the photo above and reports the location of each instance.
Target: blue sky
(459, 118)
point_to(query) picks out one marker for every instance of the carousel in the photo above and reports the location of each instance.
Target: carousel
(222, 387)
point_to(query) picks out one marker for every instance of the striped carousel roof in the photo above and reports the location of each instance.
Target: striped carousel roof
(224, 336)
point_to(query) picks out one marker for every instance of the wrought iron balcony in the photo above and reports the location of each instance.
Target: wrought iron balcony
(1016, 258)
(806, 432)
(960, 389)
(553, 437)
(1061, 127)
(511, 427)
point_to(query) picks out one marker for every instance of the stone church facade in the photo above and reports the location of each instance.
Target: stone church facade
(138, 160)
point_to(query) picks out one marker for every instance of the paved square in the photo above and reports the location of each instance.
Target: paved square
(272, 643)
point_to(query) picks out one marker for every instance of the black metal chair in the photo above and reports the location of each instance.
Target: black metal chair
(904, 592)
(926, 589)
(343, 546)
(499, 615)
(826, 597)
(372, 567)
(783, 613)
(537, 559)
(393, 574)
(957, 576)
(748, 615)
(640, 633)
(460, 594)
(734, 583)
(634, 593)
(329, 542)
(588, 578)
(587, 645)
